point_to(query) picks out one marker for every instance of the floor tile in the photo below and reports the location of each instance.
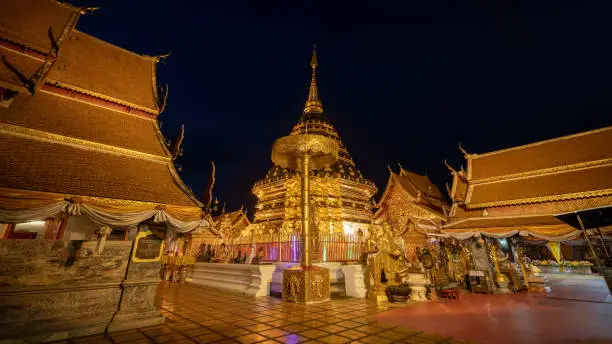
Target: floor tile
(250, 338)
(353, 334)
(292, 339)
(208, 338)
(334, 339)
(258, 327)
(375, 340)
(313, 334)
(274, 333)
(196, 332)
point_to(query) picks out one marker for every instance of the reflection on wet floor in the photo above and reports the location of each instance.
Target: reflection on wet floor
(573, 313)
(195, 314)
(199, 315)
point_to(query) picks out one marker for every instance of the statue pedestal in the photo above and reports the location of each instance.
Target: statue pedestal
(538, 283)
(306, 285)
(377, 295)
(502, 284)
(354, 281)
(417, 283)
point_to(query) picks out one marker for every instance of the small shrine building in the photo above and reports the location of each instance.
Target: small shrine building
(413, 207)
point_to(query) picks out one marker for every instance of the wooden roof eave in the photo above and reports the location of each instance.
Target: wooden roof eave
(179, 182)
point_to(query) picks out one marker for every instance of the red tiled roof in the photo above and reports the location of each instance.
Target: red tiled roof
(580, 148)
(24, 65)
(54, 114)
(28, 22)
(503, 222)
(97, 66)
(569, 184)
(414, 182)
(57, 168)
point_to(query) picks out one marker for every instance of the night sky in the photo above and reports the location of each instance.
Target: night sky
(400, 82)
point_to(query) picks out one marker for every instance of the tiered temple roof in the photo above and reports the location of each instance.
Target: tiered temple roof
(527, 185)
(419, 189)
(84, 120)
(231, 224)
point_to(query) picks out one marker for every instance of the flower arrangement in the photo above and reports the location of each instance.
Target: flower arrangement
(184, 260)
(565, 263)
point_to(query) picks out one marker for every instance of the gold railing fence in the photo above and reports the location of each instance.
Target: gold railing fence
(327, 247)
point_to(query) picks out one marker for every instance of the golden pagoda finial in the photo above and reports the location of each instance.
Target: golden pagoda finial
(313, 104)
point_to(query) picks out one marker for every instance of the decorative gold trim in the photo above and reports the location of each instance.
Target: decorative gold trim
(469, 168)
(101, 96)
(543, 172)
(179, 182)
(543, 142)
(16, 88)
(468, 194)
(22, 53)
(161, 139)
(593, 193)
(488, 218)
(43, 136)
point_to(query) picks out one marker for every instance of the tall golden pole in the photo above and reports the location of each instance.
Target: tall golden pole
(303, 152)
(306, 259)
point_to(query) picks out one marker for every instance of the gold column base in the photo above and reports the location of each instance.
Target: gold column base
(306, 285)
(377, 295)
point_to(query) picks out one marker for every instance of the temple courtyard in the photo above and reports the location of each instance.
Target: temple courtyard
(577, 312)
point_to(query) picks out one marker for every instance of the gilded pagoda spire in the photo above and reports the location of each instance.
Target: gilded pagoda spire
(313, 104)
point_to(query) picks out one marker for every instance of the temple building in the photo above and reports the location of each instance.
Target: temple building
(341, 195)
(413, 207)
(519, 197)
(86, 168)
(519, 190)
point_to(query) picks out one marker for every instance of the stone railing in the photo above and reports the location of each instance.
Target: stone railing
(246, 279)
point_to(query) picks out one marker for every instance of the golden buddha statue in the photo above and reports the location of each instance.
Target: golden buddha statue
(383, 260)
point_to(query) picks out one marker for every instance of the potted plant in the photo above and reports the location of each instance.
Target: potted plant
(398, 293)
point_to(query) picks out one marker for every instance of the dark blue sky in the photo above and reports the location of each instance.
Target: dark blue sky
(401, 82)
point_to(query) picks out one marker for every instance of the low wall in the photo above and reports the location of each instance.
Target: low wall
(246, 279)
(53, 290)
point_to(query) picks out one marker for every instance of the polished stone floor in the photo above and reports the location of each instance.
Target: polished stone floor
(198, 315)
(208, 316)
(576, 311)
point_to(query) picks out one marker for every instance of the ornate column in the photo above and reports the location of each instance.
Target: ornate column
(306, 283)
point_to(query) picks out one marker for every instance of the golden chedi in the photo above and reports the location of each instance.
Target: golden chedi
(340, 195)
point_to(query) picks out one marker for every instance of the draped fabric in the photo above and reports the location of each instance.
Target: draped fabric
(24, 215)
(555, 249)
(555, 233)
(21, 206)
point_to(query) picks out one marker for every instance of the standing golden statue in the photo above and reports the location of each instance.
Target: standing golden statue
(383, 261)
(500, 279)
